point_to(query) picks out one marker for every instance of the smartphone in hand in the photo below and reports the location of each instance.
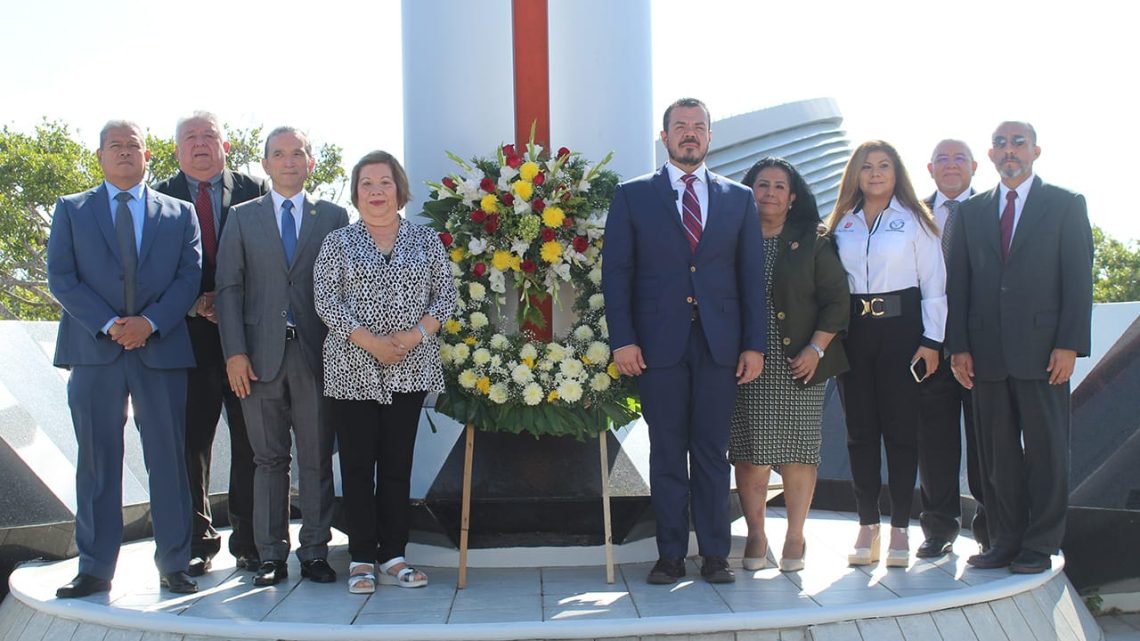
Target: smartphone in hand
(918, 369)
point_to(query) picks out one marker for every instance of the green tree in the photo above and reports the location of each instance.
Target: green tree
(1116, 268)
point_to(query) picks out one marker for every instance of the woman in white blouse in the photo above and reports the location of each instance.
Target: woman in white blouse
(383, 286)
(888, 243)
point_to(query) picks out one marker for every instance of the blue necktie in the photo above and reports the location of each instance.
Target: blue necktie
(288, 231)
(125, 234)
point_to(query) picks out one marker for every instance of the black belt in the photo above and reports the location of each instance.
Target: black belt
(876, 305)
(290, 333)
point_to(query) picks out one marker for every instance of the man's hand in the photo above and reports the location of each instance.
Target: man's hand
(930, 356)
(749, 366)
(205, 307)
(962, 366)
(629, 360)
(1061, 363)
(240, 372)
(131, 331)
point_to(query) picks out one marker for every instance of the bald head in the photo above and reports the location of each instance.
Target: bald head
(952, 167)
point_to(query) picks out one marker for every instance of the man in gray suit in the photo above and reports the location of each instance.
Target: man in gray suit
(272, 338)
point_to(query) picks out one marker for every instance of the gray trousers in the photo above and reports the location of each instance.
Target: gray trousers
(291, 400)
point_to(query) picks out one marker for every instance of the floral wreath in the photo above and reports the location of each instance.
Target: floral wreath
(528, 222)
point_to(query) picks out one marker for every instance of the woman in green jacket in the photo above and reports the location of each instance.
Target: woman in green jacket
(777, 418)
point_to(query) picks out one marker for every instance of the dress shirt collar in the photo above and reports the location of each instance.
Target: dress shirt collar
(1022, 192)
(941, 198)
(675, 173)
(193, 184)
(136, 192)
(298, 202)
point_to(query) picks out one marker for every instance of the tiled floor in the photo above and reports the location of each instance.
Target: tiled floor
(1120, 627)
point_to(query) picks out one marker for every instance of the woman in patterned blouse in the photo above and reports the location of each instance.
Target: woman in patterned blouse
(383, 286)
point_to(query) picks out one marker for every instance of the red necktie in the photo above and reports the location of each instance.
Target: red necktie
(204, 205)
(1007, 224)
(692, 212)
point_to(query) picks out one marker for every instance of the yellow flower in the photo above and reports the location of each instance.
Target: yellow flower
(529, 362)
(489, 203)
(552, 396)
(483, 385)
(612, 370)
(457, 254)
(516, 263)
(528, 171)
(501, 260)
(470, 340)
(551, 251)
(585, 360)
(523, 189)
(451, 326)
(553, 217)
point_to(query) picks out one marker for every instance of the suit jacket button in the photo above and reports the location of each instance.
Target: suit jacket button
(284, 314)
(787, 341)
(692, 268)
(780, 315)
(689, 300)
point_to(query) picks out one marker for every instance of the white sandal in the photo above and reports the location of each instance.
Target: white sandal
(361, 582)
(408, 577)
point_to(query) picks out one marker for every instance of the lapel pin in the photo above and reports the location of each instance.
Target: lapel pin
(795, 245)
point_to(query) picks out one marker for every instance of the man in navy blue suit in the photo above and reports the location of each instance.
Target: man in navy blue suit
(683, 277)
(124, 261)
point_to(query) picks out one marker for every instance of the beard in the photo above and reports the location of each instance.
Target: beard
(690, 157)
(1012, 168)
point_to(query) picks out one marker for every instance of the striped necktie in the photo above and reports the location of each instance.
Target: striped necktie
(692, 212)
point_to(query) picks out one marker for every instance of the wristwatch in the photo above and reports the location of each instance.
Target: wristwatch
(424, 333)
(817, 348)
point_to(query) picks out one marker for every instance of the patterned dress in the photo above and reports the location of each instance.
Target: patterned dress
(775, 420)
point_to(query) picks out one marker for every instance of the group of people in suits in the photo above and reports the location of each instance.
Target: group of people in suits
(963, 303)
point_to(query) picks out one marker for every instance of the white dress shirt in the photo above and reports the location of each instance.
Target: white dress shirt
(700, 186)
(298, 209)
(1018, 203)
(896, 253)
(939, 209)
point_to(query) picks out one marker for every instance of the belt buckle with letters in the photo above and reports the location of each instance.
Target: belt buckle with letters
(874, 307)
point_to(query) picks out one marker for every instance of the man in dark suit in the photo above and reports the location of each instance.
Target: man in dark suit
(683, 276)
(124, 263)
(944, 402)
(200, 146)
(1020, 297)
(272, 340)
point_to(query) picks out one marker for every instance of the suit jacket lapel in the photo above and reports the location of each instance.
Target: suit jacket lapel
(1033, 209)
(227, 195)
(151, 219)
(991, 221)
(101, 210)
(713, 224)
(668, 196)
(308, 221)
(268, 219)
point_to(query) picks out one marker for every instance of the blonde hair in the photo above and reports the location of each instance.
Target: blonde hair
(851, 195)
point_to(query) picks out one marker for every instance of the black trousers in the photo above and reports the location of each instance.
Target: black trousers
(376, 444)
(881, 401)
(944, 403)
(207, 390)
(1023, 439)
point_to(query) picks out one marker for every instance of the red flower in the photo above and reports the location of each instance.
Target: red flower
(449, 183)
(539, 179)
(509, 150)
(567, 222)
(478, 216)
(514, 161)
(492, 223)
(562, 151)
(528, 266)
(566, 196)
(508, 200)
(445, 238)
(547, 234)
(487, 185)
(538, 205)
(479, 270)
(581, 243)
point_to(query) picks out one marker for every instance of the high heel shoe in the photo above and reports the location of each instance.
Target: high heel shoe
(753, 563)
(788, 564)
(867, 555)
(898, 557)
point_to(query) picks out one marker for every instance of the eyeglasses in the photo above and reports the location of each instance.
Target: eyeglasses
(957, 159)
(1016, 141)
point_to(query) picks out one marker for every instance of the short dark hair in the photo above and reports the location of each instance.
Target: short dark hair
(286, 129)
(403, 188)
(683, 102)
(804, 210)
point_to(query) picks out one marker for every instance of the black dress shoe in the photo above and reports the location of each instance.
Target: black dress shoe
(992, 558)
(178, 583)
(271, 573)
(318, 571)
(715, 570)
(666, 571)
(199, 565)
(933, 548)
(249, 562)
(1030, 562)
(83, 585)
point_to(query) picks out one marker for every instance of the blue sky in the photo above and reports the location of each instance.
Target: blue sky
(907, 72)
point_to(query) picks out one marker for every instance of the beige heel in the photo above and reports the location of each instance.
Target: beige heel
(793, 565)
(899, 557)
(869, 555)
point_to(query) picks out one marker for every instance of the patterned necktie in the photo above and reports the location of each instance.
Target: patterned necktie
(204, 205)
(1007, 224)
(692, 212)
(125, 235)
(947, 230)
(288, 230)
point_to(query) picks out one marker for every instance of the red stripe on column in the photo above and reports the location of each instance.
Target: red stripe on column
(530, 36)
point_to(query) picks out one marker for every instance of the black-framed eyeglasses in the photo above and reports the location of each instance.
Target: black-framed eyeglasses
(1016, 140)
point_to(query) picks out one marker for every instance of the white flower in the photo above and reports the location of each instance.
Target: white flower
(468, 190)
(498, 341)
(570, 391)
(478, 320)
(563, 270)
(583, 333)
(597, 301)
(498, 282)
(528, 351)
(546, 365)
(519, 247)
(496, 361)
(455, 270)
(521, 374)
(445, 352)
(571, 368)
(460, 353)
(556, 352)
(583, 185)
(600, 382)
(598, 353)
(467, 379)
(476, 291)
(481, 356)
(595, 275)
(521, 207)
(592, 254)
(532, 394)
(506, 172)
(498, 393)
(604, 327)
(477, 246)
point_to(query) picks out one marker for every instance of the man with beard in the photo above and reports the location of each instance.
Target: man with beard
(683, 277)
(1020, 307)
